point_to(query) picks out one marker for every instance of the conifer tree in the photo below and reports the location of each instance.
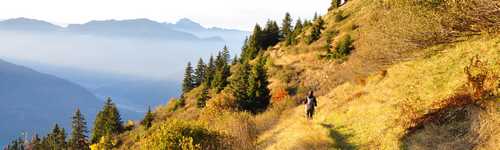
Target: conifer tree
(239, 85)
(235, 60)
(199, 73)
(222, 70)
(334, 4)
(17, 144)
(78, 139)
(317, 28)
(187, 83)
(201, 100)
(210, 71)
(271, 35)
(35, 143)
(148, 119)
(258, 92)
(287, 29)
(107, 122)
(56, 139)
(296, 31)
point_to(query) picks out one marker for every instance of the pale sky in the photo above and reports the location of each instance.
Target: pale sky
(239, 14)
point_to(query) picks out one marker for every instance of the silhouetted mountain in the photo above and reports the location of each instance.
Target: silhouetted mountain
(32, 102)
(143, 28)
(25, 24)
(231, 36)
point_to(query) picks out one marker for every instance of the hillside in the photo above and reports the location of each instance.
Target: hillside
(33, 102)
(427, 80)
(392, 74)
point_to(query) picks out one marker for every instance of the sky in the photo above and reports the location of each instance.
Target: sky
(236, 14)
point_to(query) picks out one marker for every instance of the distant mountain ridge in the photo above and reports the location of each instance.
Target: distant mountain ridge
(184, 29)
(33, 102)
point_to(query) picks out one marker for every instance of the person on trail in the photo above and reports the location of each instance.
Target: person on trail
(310, 103)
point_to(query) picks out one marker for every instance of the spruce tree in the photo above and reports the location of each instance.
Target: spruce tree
(222, 70)
(36, 143)
(199, 73)
(287, 29)
(187, 83)
(234, 61)
(78, 139)
(107, 122)
(296, 31)
(239, 85)
(17, 144)
(201, 100)
(271, 35)
(210, 71)
(317, 28)
(56, 139)
(148, 119)
(258, 92)
(334, 4)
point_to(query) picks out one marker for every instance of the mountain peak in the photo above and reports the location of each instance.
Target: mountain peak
(27, 24)
(188, 24)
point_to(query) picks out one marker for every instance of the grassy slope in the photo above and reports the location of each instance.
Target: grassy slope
(367, 101)
(371, 116)
(375, 113)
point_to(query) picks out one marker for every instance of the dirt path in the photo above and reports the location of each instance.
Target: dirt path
(296, 132)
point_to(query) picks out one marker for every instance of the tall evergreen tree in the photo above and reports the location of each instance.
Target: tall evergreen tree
(271, 35)
(296, 31)
(17, 144)
(148, 119)
(78, 139)
(201, 100)
(317, 28)
(35, 143)
(199, 73)
(334, 4)
(239, 85)
(222, 70)
(210, 71)
(107, 122)
(187, 83)
(56, 139)
(258, 92)
(287, 29)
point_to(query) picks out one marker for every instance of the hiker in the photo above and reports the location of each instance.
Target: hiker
(310, 103)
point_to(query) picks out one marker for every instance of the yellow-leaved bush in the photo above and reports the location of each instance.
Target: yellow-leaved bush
(180, 134)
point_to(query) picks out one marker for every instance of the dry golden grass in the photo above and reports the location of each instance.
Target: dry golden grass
(378, 118)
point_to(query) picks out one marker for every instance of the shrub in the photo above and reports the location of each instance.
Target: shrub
(343, 49)
(178, 134)
(339, 16)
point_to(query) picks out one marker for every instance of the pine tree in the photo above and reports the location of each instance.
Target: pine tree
(296, 31)
(78, 139)
(239, 85)
(187, 83)
(56, 139)
(210, 71)
(36, 143)
(148, 119)
(199, 73)
(235, 60)
(17, 144)
(334, 5)
(287, 29)
(317, 28)
(271, 35)
(107, 122)
(258, 92)
(222, 70)
(201, 100)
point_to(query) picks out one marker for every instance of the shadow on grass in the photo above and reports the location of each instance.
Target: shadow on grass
(340, 139)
